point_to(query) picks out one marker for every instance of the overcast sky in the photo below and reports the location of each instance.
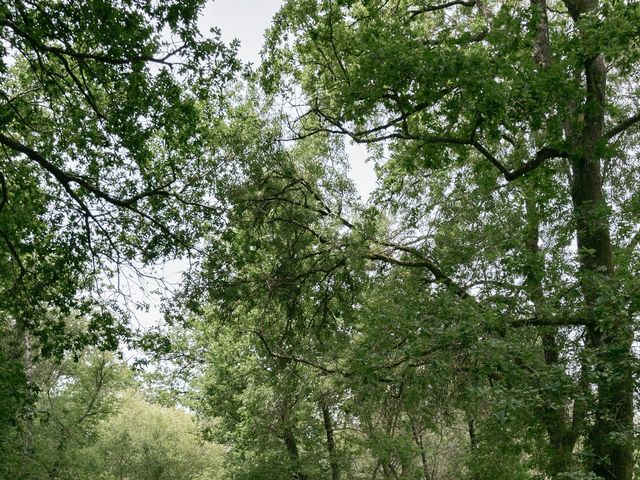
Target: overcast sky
(247, 20)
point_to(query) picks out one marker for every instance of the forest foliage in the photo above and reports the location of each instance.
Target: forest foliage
(475, 318)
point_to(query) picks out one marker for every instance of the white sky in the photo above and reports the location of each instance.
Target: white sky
(247, 20)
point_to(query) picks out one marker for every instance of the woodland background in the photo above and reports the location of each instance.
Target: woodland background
(475, 318)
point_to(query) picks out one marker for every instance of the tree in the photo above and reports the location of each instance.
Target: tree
(294, 338)
(275, 283)
(74, 396)
(147, 441)
(102, 147)
(534, 106)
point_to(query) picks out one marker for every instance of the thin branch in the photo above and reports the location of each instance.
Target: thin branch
(294, 358)
(568, 321)
(66, 179)
(15, 255)
(423, 262)
(415, 11)
(99, 385)
(364, 136)
(5, 198)
(333, 47)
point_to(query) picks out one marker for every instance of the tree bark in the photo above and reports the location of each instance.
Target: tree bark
(331, 443)
(473, 443)
(292, 449)
(417, 438)
(561, 432)
(609, 333)
(23, 354)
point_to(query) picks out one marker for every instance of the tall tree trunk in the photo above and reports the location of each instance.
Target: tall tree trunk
(473, 443)
(292, 449)
(24, 350)
(561, 432)
(331, 443)
(609, 333)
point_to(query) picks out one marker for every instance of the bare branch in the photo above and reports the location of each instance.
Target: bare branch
(293, 358)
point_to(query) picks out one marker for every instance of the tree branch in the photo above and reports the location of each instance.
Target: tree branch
(567, 321)
(415, 11)
(293, 358)
(622, 126)
(424, 262)
(545, 153)
(5, 198)
(37, 44)
(363, 136)
(66, 178)
(15, 255)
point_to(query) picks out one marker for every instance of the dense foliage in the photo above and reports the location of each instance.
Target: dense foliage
(102, 144)
(475, 318)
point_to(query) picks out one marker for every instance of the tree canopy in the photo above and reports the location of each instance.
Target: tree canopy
(474, 318)
(101, 146)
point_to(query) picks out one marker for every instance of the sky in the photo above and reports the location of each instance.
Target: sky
(246, 20)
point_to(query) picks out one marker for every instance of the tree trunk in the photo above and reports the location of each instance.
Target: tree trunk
(23, 354)
(609, 333)
(556, 419)
(28, 373)
(473, 443)
(331, 443)
(292, 449)
(417, 438)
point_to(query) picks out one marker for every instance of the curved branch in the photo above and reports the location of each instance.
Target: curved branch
(423, 262)
(364, 136)
(292, 358)
(65, 178)
(545, 153)
(415, 11)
